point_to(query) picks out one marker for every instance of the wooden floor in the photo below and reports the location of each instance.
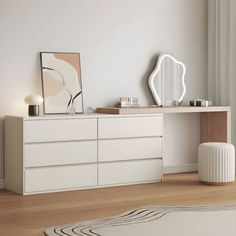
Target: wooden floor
(30, 215)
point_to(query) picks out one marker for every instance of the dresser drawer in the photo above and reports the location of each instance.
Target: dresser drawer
(129, 172)
(48, 154)
(125, 127)
(129, 149)
(60, 178)
(59, 130)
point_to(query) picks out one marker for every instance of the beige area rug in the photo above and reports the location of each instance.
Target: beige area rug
(158, 220)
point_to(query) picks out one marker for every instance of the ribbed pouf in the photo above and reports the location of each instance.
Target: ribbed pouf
(216, 163)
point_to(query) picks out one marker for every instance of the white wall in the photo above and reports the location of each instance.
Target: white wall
(118, 41)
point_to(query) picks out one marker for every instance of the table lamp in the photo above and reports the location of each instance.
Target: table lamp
(33, 101)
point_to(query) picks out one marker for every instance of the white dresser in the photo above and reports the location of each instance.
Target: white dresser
(58, 153)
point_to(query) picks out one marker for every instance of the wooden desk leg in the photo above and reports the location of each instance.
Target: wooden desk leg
(216, 127)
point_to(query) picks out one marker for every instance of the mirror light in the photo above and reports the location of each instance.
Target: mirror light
(152, 77)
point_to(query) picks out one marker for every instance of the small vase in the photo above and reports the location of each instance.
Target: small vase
(71, 109)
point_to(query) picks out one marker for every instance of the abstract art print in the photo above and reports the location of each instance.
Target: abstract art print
(62, 84)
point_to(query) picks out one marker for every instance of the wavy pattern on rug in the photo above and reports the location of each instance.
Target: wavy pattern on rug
(137, 216)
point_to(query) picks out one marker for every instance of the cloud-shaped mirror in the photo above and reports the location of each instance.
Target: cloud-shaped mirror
(167, 81)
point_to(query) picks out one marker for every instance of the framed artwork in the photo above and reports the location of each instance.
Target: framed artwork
(61, 82)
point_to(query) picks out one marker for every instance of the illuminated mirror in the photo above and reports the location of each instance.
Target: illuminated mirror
(167, 81)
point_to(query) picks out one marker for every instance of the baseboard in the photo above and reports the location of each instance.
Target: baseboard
(180, 168)
(2, 183)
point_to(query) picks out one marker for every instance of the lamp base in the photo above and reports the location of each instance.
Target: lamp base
(33, 110)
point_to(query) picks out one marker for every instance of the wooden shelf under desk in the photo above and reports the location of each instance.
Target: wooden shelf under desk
(215, 120)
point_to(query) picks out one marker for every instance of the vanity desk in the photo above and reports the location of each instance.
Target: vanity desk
(68, 152)
(215, 120)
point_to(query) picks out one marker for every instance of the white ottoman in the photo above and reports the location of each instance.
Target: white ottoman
(216, 163)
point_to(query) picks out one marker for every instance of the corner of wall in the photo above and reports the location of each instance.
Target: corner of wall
(2, 183)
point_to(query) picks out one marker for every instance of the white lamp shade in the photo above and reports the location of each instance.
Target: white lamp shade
(34, 100)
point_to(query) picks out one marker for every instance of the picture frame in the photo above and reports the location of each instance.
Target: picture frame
(61, 82)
